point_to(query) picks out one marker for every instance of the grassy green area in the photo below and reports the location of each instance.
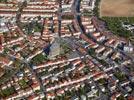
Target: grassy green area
(17, 64)
(91, 52)
(3, 1)
(86, 70)
(68, 17)
(37, 91)
(23, 83)
(38, 27)
(96, 9)
(38, 59)
(6, 50)
(15, 67)
(7, 75)
(114, 24)
(43, 73)
(32, 26)
(102, 81)
(120, 76)
(65, 47)
(15, 46)
(87, 13)
(121, 98)
(7, 92)
(103, 62)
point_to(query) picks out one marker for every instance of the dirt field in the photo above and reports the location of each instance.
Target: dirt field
(117, 8)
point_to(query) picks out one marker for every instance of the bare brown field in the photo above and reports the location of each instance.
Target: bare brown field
(117, 8)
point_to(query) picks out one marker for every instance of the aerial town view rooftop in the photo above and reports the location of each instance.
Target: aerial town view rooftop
(66, 49)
